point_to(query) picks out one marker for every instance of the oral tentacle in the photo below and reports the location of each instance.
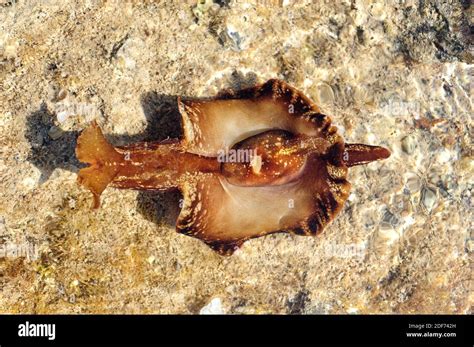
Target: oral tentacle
(360, 154)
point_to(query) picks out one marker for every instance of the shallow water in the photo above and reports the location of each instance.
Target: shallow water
(397, 75)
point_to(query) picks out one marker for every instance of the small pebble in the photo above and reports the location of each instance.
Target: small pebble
(29, 183)
(55, 132)
(72, 203)
(37, 140)
(151, 259)
(408, 144)
(443, 156)
(61, 95)
(202, 7)
(387, 234)
(62, 116)
(470, 246)
(413, 184)
(325, 94)
(235, 37)
(214, 307)
(429, 198)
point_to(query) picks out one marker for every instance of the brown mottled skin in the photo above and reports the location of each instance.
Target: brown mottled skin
(294, 181)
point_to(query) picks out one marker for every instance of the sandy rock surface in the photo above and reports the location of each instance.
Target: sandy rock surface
(393, 73)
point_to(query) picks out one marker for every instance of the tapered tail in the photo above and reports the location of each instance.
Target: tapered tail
(359, 154)
(92, 148)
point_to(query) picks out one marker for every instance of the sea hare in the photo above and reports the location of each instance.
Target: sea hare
(250, 163)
